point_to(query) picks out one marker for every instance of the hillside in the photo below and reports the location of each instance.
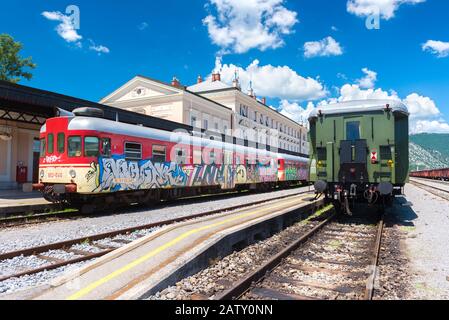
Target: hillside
(429, 151)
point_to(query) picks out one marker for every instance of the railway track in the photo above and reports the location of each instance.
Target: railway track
(336, 259)
(94, 246)
(66, 213)
(440, 192)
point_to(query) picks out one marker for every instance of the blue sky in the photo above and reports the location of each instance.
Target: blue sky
(298, 53)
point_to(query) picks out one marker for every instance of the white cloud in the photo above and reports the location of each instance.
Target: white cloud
(323, 48)
(295, 112)
(143, 26)
(66, 28)
(439, 48)
(424, 113)
(239, 26)
(386, 8)
(435, 126)
(273, 81)
(421, 107)
(369, 80)
(98, 48)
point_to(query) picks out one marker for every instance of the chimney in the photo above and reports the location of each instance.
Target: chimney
(216, 77)
(264, 100)
(199, 80)
(175, 82)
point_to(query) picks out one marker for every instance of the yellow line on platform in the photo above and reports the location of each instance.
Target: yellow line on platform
(81, 293)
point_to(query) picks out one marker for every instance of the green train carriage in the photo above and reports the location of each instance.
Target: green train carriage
(360, 151)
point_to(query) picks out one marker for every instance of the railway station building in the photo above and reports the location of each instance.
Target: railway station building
(212, 105)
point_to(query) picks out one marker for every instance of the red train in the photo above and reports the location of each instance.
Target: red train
(437, 174)
(91, 160)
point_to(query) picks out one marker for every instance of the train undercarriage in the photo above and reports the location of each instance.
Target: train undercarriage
(345, 196)
(89, 203)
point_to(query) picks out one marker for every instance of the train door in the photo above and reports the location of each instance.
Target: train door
(228, 171)
(353, 153)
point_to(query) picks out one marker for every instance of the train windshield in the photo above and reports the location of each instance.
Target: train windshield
(42, 149)
(74, 146)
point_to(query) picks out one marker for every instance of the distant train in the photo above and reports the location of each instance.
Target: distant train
(359, 151)
(436, 174)
(86, 159)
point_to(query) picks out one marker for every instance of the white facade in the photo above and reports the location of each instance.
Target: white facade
(212, 105)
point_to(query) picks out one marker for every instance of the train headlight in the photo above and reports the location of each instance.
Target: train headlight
(72, 174)
(41, 173)
(390, 163)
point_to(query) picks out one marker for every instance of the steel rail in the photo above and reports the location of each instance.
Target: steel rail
(42, 216)
(242, 286)
(65, 245)
(371, 282)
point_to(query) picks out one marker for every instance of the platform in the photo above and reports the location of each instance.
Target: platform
(174, 252)
(17, 201)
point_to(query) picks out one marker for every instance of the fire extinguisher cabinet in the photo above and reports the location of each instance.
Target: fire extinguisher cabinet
(22, 174)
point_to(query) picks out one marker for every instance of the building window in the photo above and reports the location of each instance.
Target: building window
(216, 126)
(91, 146)
(206, 125)
(193, 121)
(74, 146)
(159, 154)
(133, 151)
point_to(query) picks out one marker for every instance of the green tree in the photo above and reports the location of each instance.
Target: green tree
(12, 65)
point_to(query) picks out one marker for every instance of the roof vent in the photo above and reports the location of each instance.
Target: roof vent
(89, 112)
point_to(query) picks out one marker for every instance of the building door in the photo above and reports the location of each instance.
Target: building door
(36, 156)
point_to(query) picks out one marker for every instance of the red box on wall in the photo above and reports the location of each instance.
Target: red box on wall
(22, 174)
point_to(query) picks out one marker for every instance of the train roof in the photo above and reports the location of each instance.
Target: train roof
(109, 126)
(358, 106)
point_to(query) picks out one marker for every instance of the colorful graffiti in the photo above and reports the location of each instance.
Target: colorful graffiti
(118, 174)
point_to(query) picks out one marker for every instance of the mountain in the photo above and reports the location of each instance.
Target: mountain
(429, 151)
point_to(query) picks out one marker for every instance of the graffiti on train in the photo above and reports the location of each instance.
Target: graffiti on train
(116, 174)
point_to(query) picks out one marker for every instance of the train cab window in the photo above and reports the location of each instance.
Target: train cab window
(74, 146)
(61, 143)
(159, 154)
(133, 151)
(105, 146)
(42, 149)
(91, 146)
(353, 130)
(50, 143)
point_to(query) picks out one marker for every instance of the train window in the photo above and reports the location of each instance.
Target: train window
(74, 146)
(61, 142)
(180, 156)
(50, 143)
(105, 147)
(159, 154)
(385, 153)
(197, 156)
(91, 146)
(353, 130)
(133, 151)
(43, 148)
